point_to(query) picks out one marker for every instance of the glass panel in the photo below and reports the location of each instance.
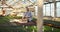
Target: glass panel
(58, 9)
(52, 9)
(47, 9)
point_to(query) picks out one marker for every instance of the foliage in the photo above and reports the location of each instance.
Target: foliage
(34, 19)
(55, 23)
(51, 29)
(18, 17)
(27, 29)
(18, 28)
(4, 19)
(14, 17)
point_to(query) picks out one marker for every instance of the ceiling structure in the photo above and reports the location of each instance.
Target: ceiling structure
(16, 3)
(50, 1)
(19, 4)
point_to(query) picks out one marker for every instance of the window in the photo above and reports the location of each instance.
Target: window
(52, 9)
(48, 10)
(58, 9)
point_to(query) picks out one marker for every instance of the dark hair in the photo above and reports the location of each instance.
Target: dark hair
(27, 8)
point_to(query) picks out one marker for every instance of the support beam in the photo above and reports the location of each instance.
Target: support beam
(55, 10)
(40, 16)
(45, 10)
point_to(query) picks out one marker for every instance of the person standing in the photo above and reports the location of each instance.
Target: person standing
(28, 15)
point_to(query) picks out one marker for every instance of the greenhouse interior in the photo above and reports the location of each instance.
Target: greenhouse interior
(44, 16)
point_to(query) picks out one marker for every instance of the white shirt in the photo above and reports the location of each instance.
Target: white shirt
(28, 14)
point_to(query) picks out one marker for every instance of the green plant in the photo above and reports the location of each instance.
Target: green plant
(4, 19)
(51, 29)
(34, 20)
(18, 17)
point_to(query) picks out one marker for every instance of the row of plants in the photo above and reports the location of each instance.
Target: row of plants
(4, 19)
(54, 23)
(18, 29)
(27, 29)
(51, 29)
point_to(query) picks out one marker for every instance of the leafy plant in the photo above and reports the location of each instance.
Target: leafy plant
(4, 19)
(18, 17)
(34, 19)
